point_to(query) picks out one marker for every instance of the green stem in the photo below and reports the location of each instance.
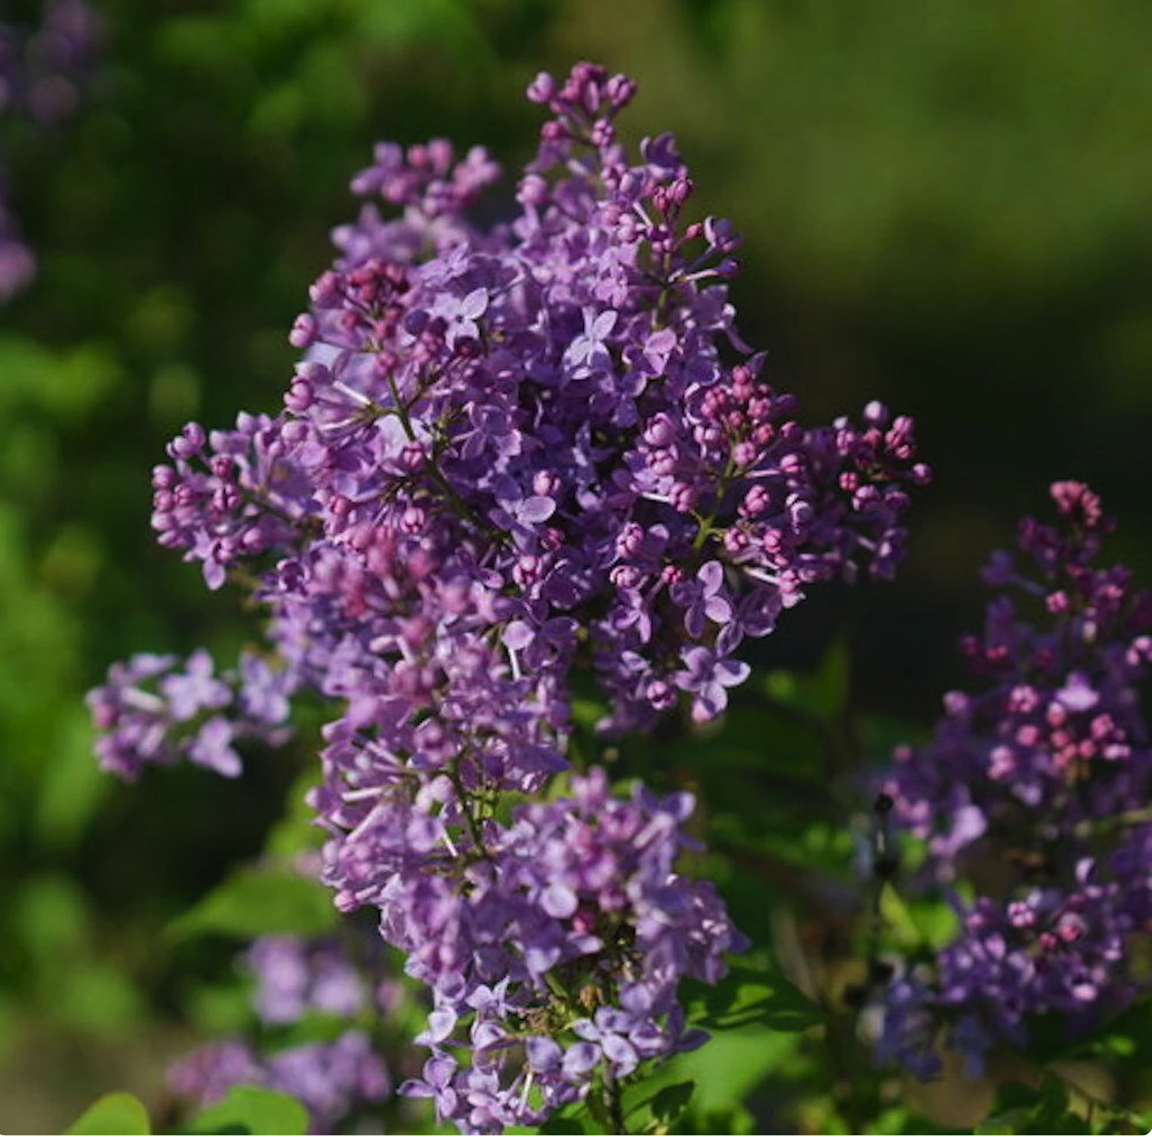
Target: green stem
(466, 806)
(401, 409)
(613, 1103)
(459, 506)
(705, 524)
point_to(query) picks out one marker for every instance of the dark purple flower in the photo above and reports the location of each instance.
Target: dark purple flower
(703, 599)
(1047, 768)
(707, 677)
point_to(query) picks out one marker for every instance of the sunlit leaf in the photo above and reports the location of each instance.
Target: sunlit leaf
(113, 1113)
(753, 993)
(256, 902)
(255, 1110)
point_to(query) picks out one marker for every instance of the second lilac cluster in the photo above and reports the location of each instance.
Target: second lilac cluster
(1034, 793)
(333, 1080)
(156, 709)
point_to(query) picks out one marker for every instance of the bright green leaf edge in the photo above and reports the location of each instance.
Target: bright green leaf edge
(113, 1113)
(255, 1110)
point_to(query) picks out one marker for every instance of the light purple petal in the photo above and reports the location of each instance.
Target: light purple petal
(544, 1054)
(602, 325)
(518, 635)
(474, 304)
(580, 1058)
(536, 509)
(711, 575)
(731, 672)
(559, 900)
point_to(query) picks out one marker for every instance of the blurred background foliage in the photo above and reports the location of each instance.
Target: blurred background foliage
(946, 207)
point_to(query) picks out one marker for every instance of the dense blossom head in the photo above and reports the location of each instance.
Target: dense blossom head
(558, 966)
(294, 976)
(508, 458)
(507, 436)
(1034, 790)
(332, 1080)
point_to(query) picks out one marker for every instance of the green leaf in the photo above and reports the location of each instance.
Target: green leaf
(296, 832)
(448, 24)
(822, 695)
(1022, 1110)
(754, 993)
(671, 1101)
(98, 997)
(556, 1124)
(898, 918)
(67, 383)
(657, 1113)
(220, 1010)
(50, 915)
(253, 1109)
(1000, 1124)
(73, 785)
(258, 901)
(113, 1113)
(1124, 1042)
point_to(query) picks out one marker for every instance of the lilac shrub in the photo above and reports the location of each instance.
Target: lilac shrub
(42, 76)
(507, 459)
(1046, 772)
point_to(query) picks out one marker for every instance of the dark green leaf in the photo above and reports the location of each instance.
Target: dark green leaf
(671, 1101)
(1023, 1110)
(754, 993)
(1124, 1041)
(561, 1125)
(822, 695)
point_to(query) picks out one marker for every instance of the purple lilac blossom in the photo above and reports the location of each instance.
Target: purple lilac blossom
(534, 425)
(333, 1080)
(294, 976)
(1045, 771)
(330, 1079)
(507, 457)
(579, 895)
(153, 711)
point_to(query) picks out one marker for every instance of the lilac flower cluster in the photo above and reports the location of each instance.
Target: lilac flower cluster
(333, 1080)
(42, 74)
(294, 976)
(509, 458)
(538, 420)
(155, 709)
(554, 949)
(1045, 774)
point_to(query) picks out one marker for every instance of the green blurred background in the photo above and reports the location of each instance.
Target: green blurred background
(946, 207)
